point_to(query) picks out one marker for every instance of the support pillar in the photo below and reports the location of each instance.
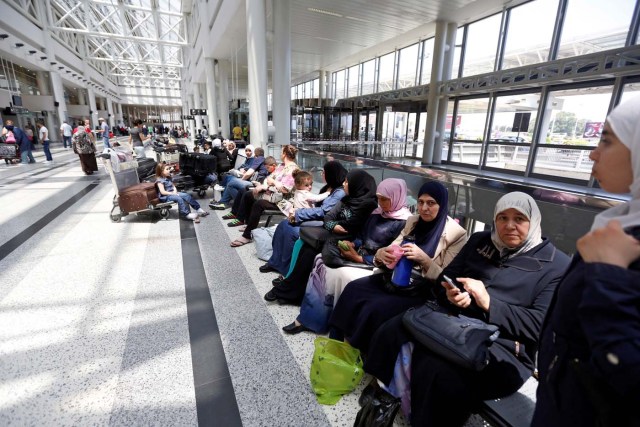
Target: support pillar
(211, 96)
(281, 75)
(257, 64)
(197, 104)
(223, 81)
(111, 117)
(443, 102)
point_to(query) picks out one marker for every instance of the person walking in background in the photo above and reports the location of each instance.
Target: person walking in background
(84, 147)
(104, 128)
(237, 133)
(66, 132)
(22, 140)
(43, 135)
(245, 133)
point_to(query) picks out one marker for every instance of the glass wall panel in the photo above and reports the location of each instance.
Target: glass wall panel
(469, 130)
(427, 59)
(354, 81)
(530, 32)
(421, 128)
(446, 139)
(339, 84)
(482, 42)
(455, 67)
(590, 26)
(387, 65)
(346, 122)
(307, 90)
(368, 77)
(630, 90)
(407, 66)
(315, 88)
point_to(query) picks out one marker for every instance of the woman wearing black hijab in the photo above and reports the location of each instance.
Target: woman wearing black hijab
(365, 303)
(345, 219)
(288, 232)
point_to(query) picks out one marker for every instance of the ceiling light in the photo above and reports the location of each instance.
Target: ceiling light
(61, 67)
(53, 63)
(18, 45)
(353, 18)
(324, 12)
(31, 52)
(4, 36)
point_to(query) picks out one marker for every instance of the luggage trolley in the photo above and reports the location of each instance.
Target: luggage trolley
(126, 178)
(10, 151)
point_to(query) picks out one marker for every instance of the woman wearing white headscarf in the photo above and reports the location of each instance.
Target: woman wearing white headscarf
(84, 147)
(508, 277)
(589, 357)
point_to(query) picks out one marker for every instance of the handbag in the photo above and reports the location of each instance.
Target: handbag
(379, 408)
(458, 339)
(332, 257)
(315, 236)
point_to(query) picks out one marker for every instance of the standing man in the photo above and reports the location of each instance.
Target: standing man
(43, 135)
(104, 128)
(65, 133)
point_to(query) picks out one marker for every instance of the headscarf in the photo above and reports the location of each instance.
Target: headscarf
(396, 190)
(428, 234)
(625, 124)
(80, 130)
(524, 204)
(250, 147)
(334, 175)
(216, 143)
(362, 190)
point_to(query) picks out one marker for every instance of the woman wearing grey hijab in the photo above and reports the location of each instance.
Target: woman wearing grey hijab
(505, 277)
(84, 147)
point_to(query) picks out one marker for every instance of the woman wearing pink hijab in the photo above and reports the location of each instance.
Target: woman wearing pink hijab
(344, 261)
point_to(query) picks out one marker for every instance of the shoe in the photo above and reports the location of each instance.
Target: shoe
(293, 329)
(192, 216)
(218, 188)
(266, 268)
(218, 206)
(277, 281)
(235, 223)
(230, 215)
(270, 296)
(202, 212)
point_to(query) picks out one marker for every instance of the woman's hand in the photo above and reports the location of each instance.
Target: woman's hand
(456, 297)
(351, 254)
(270, 181)
(292, 215)
(338, 229)
(477, 290)
(609, 245)
(417, 255)
(386, 255)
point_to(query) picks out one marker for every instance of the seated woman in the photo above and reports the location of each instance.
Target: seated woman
(167, 192)
(509, 275)
(367, 303)
(590, 345)
(287, 232)
(326, 283)
(345, 220)
(264, 196)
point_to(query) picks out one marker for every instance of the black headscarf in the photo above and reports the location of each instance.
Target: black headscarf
(334, 175)
(362, 190)
(428, 234)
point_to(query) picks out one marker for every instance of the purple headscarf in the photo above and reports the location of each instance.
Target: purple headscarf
(396, 190)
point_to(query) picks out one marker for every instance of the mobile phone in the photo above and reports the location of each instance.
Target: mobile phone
(453, 284)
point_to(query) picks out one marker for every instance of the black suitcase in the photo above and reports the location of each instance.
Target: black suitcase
(146, 168)
(183, 182)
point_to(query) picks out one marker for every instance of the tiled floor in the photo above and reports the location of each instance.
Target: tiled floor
(142, 322)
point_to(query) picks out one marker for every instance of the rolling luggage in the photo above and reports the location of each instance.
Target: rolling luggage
(183, 182)
(138, 197)
(146, 167)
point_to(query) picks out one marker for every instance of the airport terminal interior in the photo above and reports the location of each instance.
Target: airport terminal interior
(146, 318)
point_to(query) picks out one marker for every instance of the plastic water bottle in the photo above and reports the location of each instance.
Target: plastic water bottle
(402, 272)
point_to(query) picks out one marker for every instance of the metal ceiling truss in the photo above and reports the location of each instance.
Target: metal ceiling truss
(121, 40)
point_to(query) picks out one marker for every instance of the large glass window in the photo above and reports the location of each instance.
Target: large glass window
(630, 90)
(530, 32)
(407, 66)
(469, 130)
(354, 81)
(315, 88)
(482, 42)
(339, 84)
(387, 65)
(590, 26)
(455, 67)
(427, 59)
(368, 77)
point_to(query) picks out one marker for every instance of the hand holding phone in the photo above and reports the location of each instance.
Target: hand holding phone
(452, 284)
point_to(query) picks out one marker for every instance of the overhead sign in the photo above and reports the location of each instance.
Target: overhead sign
(184, 117)
(197, 112)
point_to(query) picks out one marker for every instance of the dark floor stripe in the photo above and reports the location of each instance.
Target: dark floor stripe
(215, 398)
(27, 233)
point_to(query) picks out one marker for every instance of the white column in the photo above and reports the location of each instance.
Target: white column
(281, 75)
(192, 127)
(257, 65)
(111, 115)
(93, 108)
(223, 81)
(58, 96)
(441, 121)
(43, 86)
(119, 118)
(197, 104)
(432, 102)
(321, 87)
(211, 96)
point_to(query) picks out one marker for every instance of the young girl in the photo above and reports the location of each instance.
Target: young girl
(302, 197)
(167, 192)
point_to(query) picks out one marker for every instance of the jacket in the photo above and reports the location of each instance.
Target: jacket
(21, 139)
(451, 242)
(589, 357)
(520, 288)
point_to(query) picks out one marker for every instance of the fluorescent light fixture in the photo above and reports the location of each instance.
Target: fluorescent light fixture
(324, 12)
(353, 18)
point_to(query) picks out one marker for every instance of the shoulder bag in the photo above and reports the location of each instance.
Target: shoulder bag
(458, 339)
(315, 236)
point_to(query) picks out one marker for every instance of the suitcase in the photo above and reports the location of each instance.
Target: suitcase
(138, 197)
(183, 182)
(146, 168)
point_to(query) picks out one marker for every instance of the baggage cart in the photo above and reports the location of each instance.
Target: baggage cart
(10, 151)
(132, 196)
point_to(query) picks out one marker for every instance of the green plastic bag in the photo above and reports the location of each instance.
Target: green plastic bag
(336, 370)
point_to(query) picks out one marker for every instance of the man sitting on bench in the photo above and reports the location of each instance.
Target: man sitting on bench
(253, 165)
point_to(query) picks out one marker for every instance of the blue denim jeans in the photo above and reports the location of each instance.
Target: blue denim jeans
(182, 199)
(106, 142)
(231, 188)
(27, 157)
(66, 140)
(47, 152)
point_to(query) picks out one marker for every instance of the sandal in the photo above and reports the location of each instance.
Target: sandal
(244, 227)
(229, 216)
(240, 241)
(235, 223)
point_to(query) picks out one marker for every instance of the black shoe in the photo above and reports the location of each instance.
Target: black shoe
(270, 296)
(266, 268)
(293, 329)
(277, 281)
